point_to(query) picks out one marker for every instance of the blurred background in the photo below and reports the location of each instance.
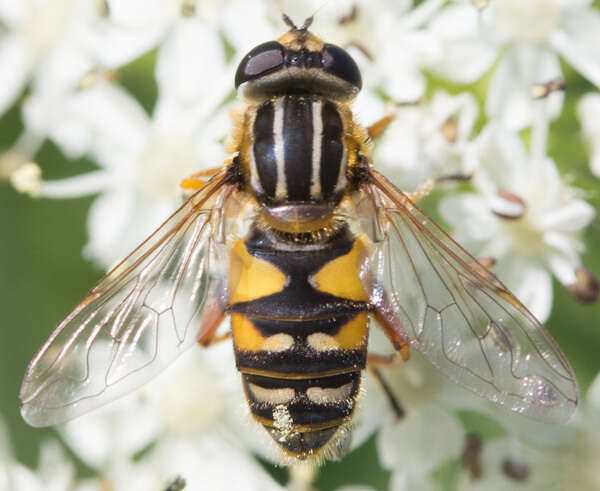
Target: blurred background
(43, 272)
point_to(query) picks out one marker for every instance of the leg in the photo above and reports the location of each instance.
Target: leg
(423, 190)
(471, 455)
(427, 186)
(387, 391)
(394, 334)
(215, 313)
(215, 340)
(378, 127)
(178, 484)
(375, 360)
(199, 179)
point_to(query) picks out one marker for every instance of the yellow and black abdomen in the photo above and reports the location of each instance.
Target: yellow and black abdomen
(299, 318)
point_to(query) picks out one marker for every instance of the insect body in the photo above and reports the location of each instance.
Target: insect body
(298, 309)
(301, 242)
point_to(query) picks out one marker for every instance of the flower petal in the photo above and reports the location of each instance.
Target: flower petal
(481, 225)
(111, 122)
(530, 283)
(15, 65)
(509, 97)
(413, 445)
(55, 79)
(588, 110)
(463, 56)
(77, 186)
(191, 49)
(571, 217)
(401, 481)
(116, 431)
(502, 160)
(578, 41)
(202, 462)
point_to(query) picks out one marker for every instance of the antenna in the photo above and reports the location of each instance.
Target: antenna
(285, 17)
(307, 23)
(288, 21)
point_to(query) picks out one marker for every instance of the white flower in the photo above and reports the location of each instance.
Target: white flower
(510, 94)
(426, 140)
(410, 447)
(508, 465)
(142, 162)
(185, 423)
(187, 399)
(524, 216)
(424, 439)
(114, 432)
(212, 461)
(33, 31)
(54, 471)
(509, 462)
(54, 45)
(404, 482)
(528, 36)
(588, 110)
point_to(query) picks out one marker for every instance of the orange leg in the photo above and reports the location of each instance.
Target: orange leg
(399, 342)
(215, 313)
(428, 185)
(215, 340)
(199, 179)
(377, 360)
(423, 190)
(378, 127)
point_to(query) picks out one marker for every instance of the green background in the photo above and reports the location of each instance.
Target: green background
(43, 274)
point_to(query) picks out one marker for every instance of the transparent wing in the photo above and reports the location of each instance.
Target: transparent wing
(136, 320)
(458, 314)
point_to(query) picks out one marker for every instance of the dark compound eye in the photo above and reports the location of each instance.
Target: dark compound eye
(265, 58)
(338, 62)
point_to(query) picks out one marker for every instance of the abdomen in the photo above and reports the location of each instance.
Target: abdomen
(299, 318)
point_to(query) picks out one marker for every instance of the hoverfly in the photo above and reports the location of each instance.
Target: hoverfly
(301, 242)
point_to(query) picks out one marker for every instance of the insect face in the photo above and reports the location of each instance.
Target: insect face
(298, 63)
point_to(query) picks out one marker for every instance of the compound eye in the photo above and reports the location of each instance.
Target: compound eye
(263, 59)
(338, 62)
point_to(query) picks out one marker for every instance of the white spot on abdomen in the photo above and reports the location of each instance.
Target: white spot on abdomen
(331, 395)
(272, 396)
(322, 342)
(278, 342)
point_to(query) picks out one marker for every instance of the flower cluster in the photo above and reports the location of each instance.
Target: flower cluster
(486, 147)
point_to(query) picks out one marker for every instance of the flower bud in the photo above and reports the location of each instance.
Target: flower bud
(515, 470)
(543, 90)
(508, 205)
(586, 287)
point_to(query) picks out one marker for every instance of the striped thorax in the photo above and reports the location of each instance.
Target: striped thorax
(298, 151)
(299, 136)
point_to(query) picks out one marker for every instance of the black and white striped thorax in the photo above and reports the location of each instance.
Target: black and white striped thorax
(298, 151)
